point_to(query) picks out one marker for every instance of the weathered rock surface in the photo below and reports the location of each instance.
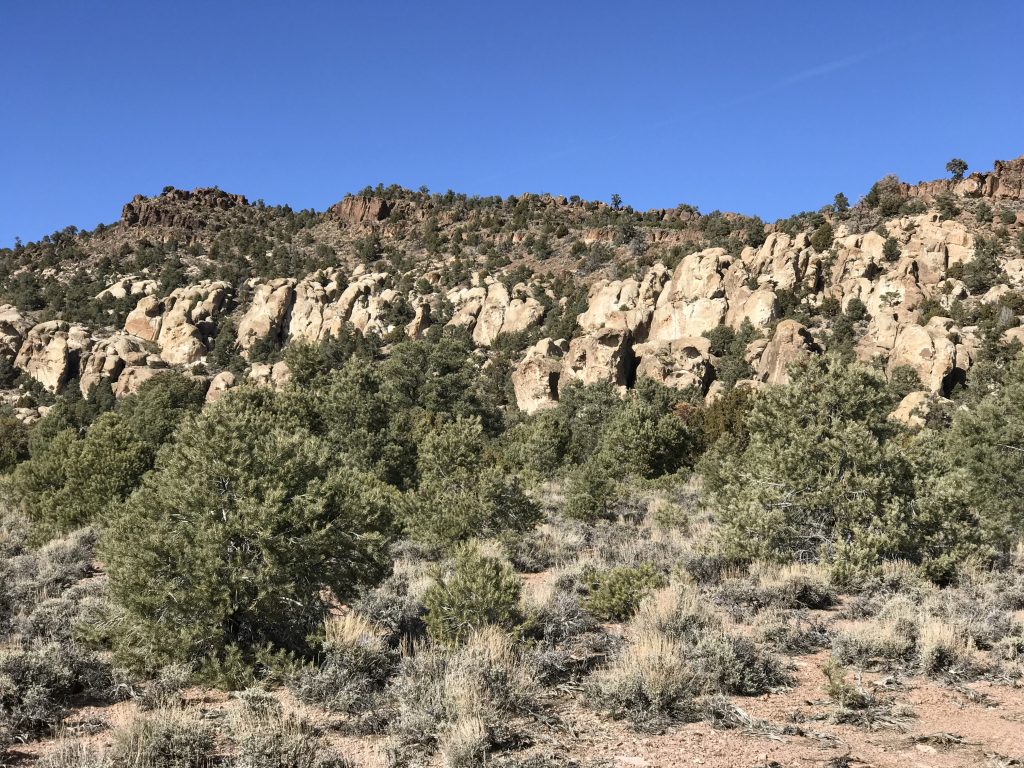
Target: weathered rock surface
(267, 313)
(13, 328)
(109, 357)
(605, 355)
(536, 379)
(499, 314)
(178, 208)
(220, 384)
(51, 353)
(357, 210)
(680, 363)
(913, 409)
(276, 375)
(929, 350)
(791, 342)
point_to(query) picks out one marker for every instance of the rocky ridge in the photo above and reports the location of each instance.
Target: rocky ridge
(651, 324)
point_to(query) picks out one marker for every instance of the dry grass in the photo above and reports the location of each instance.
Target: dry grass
(444, 696)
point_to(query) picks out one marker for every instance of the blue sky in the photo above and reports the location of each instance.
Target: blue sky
(763, 108)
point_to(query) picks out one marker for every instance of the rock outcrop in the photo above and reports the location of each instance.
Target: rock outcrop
(181, 323)
(178, 208)
(52, 352)
(267, 313)
(357, 210)
(605, 355)
(536, 379)
(1004, 182)
(930, 351)
(13, 328)
(792, 342)
(914, 409)
(109, 357)
(680, 363)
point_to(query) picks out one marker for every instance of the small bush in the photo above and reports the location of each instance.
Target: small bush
(270, 739)
(941, 648)
(71, 753)
(444, 696)
(568, 641)
(38, 684)
(164, 739)
(677, 612)
(821, 240)
(165, 690)
(473, 591)
(396, 608)
(735, 665)
(356, 666)
(790, 633)
(891, 249)
(615, 594)
(883, 643)
(650, 684)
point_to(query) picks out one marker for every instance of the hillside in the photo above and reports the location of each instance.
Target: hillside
(569, 289)
(432, 480)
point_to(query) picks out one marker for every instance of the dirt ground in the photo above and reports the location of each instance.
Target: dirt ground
(939, 726)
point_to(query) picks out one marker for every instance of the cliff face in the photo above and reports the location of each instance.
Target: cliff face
(574, 291)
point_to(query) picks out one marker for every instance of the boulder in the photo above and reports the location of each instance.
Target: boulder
(605, 355)
(498, 314)
(693, 301)
(265, 374)
(146, 319)
(417, 327)
(13, 328)
(267, 313)
(52, 352)
(133, 377)
(760, 308)
(682, 363)
(181, 323)
(536, 378)
(913, 409)
(220, 384)
(624, 304)
(109, 357)
(928, 350)
(791, 342)
(686, 319)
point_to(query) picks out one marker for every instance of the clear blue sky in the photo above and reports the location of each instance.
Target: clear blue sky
(764, 108)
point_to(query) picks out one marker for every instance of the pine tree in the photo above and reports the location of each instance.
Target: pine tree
(238, 540)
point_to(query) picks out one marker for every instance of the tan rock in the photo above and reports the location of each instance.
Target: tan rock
(146, 319)
(492, 314)
(536, 378)
(51, 352)
(928, 350)
(13, 328)
(913, 409)
(417, 327)
(109, 357)
(276, 375)
(133, 377)
(605, 355)
(220, 384)
(791, 342)
(760, 307)
(360, 210)
(681, 363)
(267, 312)
(686, 319)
